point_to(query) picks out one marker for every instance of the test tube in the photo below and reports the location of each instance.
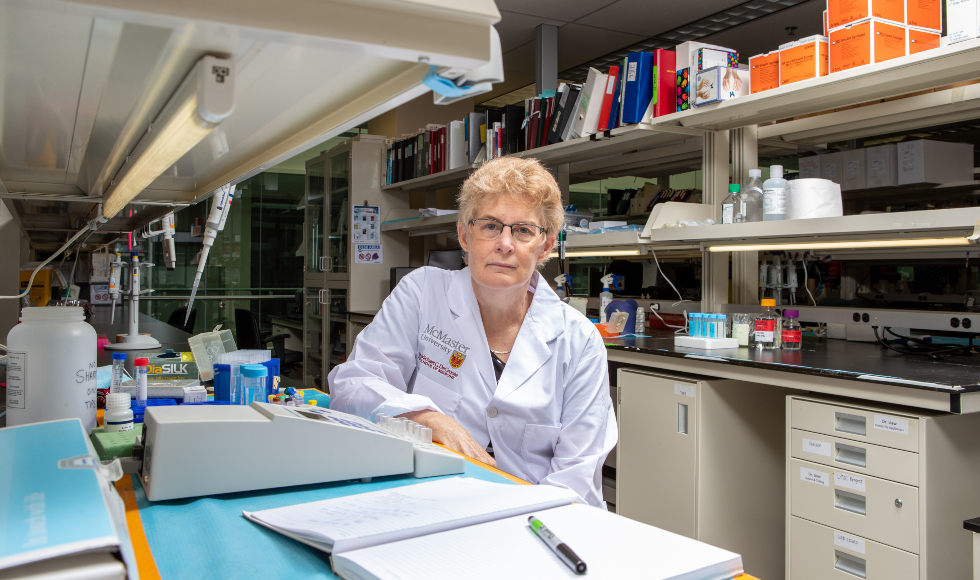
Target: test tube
(118, 371)
(722, 326)
(692, 324)
(426, 434)
(417, 434)
(142, 368)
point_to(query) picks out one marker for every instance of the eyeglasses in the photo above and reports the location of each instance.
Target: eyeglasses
(490, 229)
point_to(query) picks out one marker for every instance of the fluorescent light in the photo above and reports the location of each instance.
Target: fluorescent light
(203, 100)
(852, 245)
(597, 253)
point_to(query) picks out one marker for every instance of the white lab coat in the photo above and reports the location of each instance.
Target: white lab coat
(550, 418)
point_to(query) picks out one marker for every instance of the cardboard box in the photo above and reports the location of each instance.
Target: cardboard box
(919, 40)
(686, 49)
(718, 84)
(927, 161)
(843, 12)
(855, 166)
(881, 163)
(802, 60)
(926, 14)
(826, 23)
(683, 89)
(832, 166)
(764, 71)
(707, 58)
(962, 20)
(865, 42)
(810, 167)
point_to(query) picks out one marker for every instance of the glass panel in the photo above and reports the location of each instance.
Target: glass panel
(338, 215)
(313, 339)
(314, 216)
(336, 312)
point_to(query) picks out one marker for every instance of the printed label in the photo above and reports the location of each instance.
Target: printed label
(817, 447)
(16, 380)
(765, 330)
(631, 72)
(774, 201)
(882, 422)
(792, 335)
(684, 390)
(817, 477)
(727, 213)
(877, 168)
(852, 169)
(842, 540)
(849, 481)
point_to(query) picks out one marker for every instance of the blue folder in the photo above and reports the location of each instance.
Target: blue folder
(638, 87)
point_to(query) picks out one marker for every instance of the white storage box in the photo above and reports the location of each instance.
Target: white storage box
(810, 167)
(926, 161)
(831, 166)
(855, 174)
(719, 84)
(882, 165)
(962, 20)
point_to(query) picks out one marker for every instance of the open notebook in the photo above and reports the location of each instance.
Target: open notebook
(467, 528)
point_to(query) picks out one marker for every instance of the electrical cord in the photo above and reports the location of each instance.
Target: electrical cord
(932, 351)
(805, 280)
(659, 269)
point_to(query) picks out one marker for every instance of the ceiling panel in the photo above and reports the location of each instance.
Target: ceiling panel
(516, 29)
(566, 10)
(578, 43)
(767, 33)
(521, 60)
(649, 18)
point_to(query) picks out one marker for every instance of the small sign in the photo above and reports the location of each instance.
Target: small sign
(99, 294)
(684, 390)
(849, 481)
(817, 477)
(817, 447)
(368, 254)
(366, 226)
(891, 424)
(847, 542)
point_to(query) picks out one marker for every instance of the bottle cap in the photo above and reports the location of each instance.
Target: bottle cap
(791, 313)
(734, 188)
(117, 401)
(755, 173)
(142, 362)
(311, 403)
(253, 371)
(118, 356)
(776, 172)
(768, 301)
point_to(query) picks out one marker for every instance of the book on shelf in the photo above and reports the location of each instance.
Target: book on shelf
(638, 86)
(514, 116)
(475, 137)
(457, 144)
(590, 105)
(664, 101)
(605, 114)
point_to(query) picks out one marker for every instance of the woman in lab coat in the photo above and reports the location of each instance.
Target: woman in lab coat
(488, 357)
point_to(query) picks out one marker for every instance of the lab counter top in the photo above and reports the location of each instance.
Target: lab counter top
(170, 337)
(866, 368)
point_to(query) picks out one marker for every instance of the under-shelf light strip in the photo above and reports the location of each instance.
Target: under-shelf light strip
(850, 245)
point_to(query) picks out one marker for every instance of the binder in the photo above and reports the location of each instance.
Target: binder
(514, 128)
(547, 104)
(572, 112)
(638, 86)
(493, 117)
(532, 124)
(457, 144)
(560, 119)
(421, 148)
(664, 100)
(607, 99)
(590, 105)
(475, 135)
(615, 109)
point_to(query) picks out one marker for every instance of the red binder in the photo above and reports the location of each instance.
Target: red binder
(664, 82)
(607, 98)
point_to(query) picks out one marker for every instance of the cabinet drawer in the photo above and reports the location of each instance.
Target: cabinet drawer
(880, 510)
(865, 458)
(821, 553)
(855, 423)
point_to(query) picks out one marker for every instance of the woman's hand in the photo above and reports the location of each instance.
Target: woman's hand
(450, 433)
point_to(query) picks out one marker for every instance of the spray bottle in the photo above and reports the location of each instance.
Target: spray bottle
(561, 281)
(605, 297)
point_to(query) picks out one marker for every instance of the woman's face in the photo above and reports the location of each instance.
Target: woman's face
(505, 262)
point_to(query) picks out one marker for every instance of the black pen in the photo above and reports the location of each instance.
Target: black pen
(564, 552)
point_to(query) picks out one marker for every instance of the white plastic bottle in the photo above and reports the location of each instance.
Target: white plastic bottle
(51, 367)
(750, 201)
(118, 414)
(774, 195)
(605, 297)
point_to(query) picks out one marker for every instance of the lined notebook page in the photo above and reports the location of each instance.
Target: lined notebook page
(356, 521)
(611, 546)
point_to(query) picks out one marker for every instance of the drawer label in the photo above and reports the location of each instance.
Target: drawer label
(818, 447)
(891, 424)
(849, 542)
(849, 481)
(684, 390)
(817, 477)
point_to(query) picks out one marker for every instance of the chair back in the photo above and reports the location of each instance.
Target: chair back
(247, 329)
(177, 319)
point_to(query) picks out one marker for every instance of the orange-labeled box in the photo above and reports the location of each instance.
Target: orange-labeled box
(826, 23)
(920, 40)
(844, 12)
(865, 42)
(764, 71)
(801, 60)
(926, 14)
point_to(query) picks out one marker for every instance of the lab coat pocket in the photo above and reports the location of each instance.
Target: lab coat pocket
(446, 399)
(538, 449)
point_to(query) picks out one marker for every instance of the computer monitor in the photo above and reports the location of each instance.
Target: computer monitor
(397, 274)
(446, 259)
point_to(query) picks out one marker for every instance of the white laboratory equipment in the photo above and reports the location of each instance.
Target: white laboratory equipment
(133, 340)
(115, 273)
(169, 226)
(264, 446)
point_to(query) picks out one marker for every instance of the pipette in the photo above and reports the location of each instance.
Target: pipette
(216, 222)
(115, 273)
(169, 252)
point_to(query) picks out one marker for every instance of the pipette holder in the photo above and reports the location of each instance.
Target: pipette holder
(133, 340)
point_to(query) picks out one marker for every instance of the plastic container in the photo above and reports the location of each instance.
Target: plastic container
(142, 368)
(254, 378)
(774, 195)
(51, 367)
(140, 410)
(741, 326)
(750, 200)
(118, 371)
(118, 414)
(767, 326)
(206, 348)
(791, 337)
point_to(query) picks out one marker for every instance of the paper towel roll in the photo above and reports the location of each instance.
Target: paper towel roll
(813, 198)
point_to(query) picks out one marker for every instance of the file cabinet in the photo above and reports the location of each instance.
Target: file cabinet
(878, 492)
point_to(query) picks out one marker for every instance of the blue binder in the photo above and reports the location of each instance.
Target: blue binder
(638, 86)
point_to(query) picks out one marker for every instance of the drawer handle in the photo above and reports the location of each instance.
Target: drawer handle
(850, 502)
(682, 418)
(852, 455)
(850, 564)
(854, 424)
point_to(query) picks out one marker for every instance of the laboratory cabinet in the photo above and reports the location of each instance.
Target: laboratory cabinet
(704, 458)
(878, 491)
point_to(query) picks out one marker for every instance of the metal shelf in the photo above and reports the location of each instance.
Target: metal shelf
(410, 224)
(435, 180)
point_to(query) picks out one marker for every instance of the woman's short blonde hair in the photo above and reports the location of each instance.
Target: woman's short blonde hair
(523, 179)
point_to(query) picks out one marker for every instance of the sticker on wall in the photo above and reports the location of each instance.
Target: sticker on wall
(366, 224)
(369, 254)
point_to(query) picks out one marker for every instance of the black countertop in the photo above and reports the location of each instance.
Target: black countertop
(170, 337)
(972, 525)
(863, 361)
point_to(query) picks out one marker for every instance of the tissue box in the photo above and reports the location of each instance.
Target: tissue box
(764, 71)
(802, 60)
(195, 394)
(920, 40)
(810, 167)
(926, 161)
(685, 50)
(843, 12)
(683, 89)
(882, 165)
(855, 176)
(705, 58)
(720, 84)
(868, 41)
(962, 20)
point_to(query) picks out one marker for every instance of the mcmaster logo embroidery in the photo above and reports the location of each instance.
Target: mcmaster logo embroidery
(444, 342)
(456, 360)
